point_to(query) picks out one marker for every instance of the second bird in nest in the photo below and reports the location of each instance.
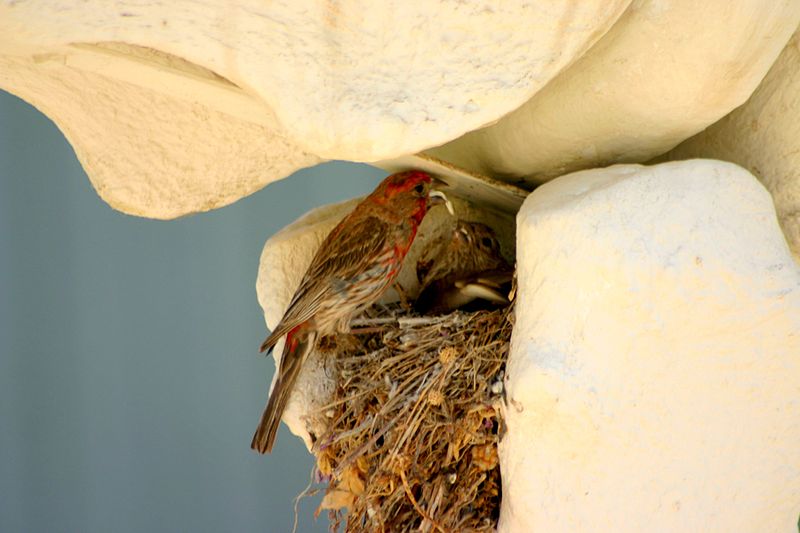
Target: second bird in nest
(463, 269)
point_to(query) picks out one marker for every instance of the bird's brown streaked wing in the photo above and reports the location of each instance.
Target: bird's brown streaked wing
(343, 257)
(340, 258)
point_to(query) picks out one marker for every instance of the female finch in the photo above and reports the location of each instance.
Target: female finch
(464, 266)
(355, 264)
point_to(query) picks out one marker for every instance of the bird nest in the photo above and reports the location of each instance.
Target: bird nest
(414, 423)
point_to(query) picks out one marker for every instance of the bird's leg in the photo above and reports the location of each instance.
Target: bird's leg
(401, 293)
(365, 330)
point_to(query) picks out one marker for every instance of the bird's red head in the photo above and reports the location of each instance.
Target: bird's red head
(406, 192)
(405, 182)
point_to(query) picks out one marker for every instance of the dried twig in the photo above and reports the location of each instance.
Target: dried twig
(414, 423)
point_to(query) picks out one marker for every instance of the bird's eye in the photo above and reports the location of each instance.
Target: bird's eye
(420, 189)
(486, 242)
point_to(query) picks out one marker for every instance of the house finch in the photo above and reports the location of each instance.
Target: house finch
(354, 265)
(464, 266)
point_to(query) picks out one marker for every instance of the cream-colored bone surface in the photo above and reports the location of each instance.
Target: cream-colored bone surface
(764, 136)
(665, 71)
(179, 107)
(154, 153)
(354, 79)
(652, 382)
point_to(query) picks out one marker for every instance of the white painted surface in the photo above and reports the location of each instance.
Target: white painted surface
(665, 71)
(179, 107)
(653, 380)
(153, 153)
(764, 136)
(354, 80)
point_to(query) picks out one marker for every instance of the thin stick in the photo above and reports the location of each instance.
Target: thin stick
(416, 505)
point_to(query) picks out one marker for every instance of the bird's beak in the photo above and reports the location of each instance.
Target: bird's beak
(438, 198)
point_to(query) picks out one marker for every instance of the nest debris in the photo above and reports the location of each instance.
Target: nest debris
(414, 423)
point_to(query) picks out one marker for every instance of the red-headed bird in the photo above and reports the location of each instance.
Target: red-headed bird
(354, 265)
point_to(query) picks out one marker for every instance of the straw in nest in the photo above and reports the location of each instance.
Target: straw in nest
(415, 422)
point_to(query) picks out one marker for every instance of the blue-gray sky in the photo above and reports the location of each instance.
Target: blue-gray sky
(130, 382)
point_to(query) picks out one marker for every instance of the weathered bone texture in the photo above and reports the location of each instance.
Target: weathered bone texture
(148, 153)
(653, 376)
(664, 72)
(177, 107)
(764, 136)
(286, 256)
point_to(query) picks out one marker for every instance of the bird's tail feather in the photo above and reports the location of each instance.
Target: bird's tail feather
(270, 341)
(298, 345)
